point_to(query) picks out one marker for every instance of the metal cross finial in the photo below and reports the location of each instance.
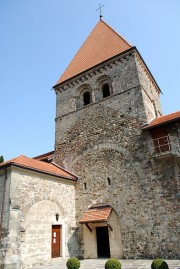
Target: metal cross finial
(100, 10)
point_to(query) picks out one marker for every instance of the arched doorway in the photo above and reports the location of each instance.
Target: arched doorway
(101, 232)
(44, 233)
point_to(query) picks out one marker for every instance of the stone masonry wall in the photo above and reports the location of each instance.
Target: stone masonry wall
(5, 178)
(35, 200)
(105, 140)
(103, 144)
(151, 95)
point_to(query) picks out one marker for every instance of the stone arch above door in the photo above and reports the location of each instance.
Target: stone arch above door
(37, 200)
(101, 227)
(38, 227)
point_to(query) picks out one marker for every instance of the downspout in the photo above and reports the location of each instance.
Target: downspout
(3, 202)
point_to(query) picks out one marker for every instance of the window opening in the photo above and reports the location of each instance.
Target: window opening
(85, 186)
(108, 181)
(160, 140)
(106, 90)
(86, 98)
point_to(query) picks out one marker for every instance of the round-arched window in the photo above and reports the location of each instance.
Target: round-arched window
(105, 90)
(86, 98)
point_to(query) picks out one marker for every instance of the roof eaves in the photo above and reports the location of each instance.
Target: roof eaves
(160, 124)
(50, 153)
(55, 164)
(36, 170)
(79, 74)
(92, 221)
(6, 165)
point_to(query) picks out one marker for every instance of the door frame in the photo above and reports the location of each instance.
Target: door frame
(108, 243)
(60, 238)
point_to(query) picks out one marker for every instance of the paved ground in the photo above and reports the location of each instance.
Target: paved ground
(99, 264)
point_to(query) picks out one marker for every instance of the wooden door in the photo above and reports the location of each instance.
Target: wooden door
(56, 240)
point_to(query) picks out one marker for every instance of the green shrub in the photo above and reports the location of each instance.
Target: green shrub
(73, 263)
(113, 264)
(159, 264)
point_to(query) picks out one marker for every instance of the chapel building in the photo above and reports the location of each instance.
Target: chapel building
(110, 187)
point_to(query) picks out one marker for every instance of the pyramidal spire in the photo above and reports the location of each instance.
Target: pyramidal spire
(102, 44)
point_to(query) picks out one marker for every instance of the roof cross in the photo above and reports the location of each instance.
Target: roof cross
(100, 10)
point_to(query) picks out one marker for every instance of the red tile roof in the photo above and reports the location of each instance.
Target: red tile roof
(46, 157)
(173, 117)
(96, 215)
(102, 44)
(39, 166)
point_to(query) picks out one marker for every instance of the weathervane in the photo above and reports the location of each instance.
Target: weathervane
(100, 10)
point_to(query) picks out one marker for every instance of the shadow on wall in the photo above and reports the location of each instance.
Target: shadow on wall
(75, 245)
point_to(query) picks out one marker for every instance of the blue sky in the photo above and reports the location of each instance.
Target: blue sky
(40, 37)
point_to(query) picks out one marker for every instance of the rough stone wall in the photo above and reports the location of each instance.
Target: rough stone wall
(151, 95)
(102, 145)
(35, 199)
(126, 90)
(105, 140)
(5, 179)
(162, 198)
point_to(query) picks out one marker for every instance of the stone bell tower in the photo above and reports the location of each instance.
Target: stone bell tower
(106, 74)
(104, 98)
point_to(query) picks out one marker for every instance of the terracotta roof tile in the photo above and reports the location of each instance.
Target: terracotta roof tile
(95, 215)
(39, 166)
(163, 120)
(102, 44)
(45, 157)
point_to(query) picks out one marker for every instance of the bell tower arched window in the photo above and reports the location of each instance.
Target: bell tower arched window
(86, 98)
(105, 90)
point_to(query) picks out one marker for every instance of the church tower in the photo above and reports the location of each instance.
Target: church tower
(104, 99)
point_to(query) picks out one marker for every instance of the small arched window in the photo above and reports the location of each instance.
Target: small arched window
(86, 98)
(105, 90)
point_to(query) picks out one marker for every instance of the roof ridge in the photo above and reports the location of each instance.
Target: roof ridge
(20, 157)
(77, 52)
(117, 33)
(101, 44)
(55, 164)
(38, 166)
(12, 160)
